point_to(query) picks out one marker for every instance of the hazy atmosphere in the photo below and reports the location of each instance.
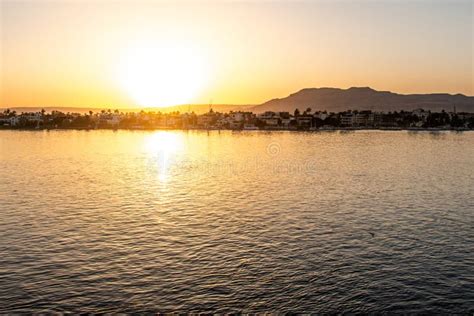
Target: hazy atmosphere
(122, 54)
(252, 157)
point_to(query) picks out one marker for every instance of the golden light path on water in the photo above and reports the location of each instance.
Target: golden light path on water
(163, 147)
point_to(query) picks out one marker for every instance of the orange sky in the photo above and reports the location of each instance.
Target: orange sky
(124, 54)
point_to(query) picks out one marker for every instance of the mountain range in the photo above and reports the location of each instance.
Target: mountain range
(318, 99)
(365, 98)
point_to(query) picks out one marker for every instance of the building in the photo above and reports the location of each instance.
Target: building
(347, 119)
(304, 121)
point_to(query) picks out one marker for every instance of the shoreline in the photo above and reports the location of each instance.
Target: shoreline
(336, 129)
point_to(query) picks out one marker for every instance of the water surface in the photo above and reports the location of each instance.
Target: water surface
(135, 221)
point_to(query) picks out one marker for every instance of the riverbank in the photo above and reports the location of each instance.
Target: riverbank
(411, 129)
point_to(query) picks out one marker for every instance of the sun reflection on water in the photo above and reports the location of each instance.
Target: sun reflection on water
(163, 147)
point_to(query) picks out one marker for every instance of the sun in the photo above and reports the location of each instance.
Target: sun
(158, 74)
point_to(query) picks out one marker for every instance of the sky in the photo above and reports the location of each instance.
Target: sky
(122, 54)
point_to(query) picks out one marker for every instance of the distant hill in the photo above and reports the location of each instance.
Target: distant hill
(203, 108)
(336, 100)
(196, 108)
(330, 99)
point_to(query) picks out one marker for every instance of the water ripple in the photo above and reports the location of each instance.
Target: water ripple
(218, 222)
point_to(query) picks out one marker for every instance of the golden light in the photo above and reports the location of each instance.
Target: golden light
(163, 141)
(163, 146)
(162, 73)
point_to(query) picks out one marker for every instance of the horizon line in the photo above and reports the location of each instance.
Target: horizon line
(231, 104)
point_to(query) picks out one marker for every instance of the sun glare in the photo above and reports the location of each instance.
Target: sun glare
(162, 74)
(163, 141)
(162, 147)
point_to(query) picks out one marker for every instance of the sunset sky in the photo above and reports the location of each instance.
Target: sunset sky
(155, 53)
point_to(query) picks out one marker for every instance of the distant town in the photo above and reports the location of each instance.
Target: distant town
(306, 120)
